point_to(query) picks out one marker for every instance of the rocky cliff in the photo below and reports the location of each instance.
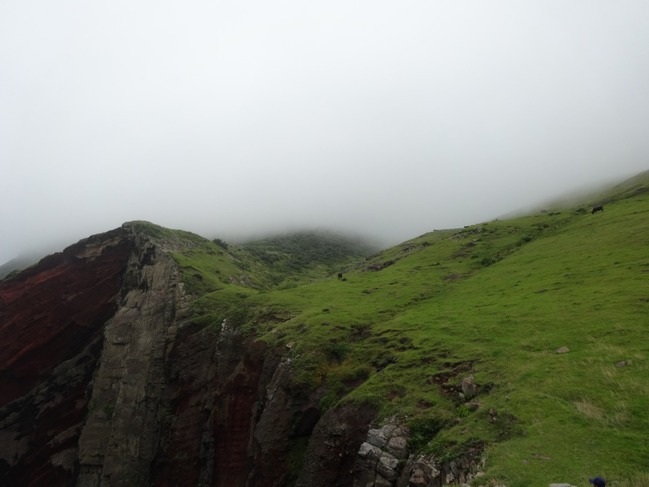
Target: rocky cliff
(106, 382)
(52, 318)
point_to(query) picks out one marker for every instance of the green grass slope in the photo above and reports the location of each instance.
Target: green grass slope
(460, 333)
(295, 257)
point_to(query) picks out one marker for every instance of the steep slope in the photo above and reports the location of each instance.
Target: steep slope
(51, 319)
(108, 380)
(457, 333)
(506, 353)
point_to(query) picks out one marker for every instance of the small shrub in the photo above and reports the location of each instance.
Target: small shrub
(360, 373)
(487, 261)
(525, 239)
(382, 360)
(423, 430)
(463, 411)
(336, 351)
(220, 243)
(361, 331)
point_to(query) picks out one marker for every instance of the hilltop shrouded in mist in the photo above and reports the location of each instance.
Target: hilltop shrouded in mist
(387, 119)
(458, 357)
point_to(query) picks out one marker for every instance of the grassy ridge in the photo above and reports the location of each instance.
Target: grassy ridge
(491, 304)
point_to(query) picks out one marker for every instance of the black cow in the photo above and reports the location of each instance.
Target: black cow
(596, 209)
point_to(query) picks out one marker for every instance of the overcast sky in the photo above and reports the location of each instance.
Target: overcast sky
(389, 118)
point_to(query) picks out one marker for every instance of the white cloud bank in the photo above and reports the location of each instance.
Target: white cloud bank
(387, 118)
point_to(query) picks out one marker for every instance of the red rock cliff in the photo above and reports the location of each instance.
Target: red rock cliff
(105, 382)
(51, 324)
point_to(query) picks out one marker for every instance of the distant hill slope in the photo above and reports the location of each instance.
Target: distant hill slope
(602, 194)
(307, 253)
(17, 264)
(634, 186)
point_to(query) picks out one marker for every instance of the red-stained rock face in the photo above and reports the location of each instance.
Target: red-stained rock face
(50, 312)
(51, 330)
(216, 396)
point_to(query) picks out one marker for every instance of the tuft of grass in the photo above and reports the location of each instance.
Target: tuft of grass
(633, 480)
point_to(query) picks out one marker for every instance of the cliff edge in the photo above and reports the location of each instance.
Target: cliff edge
(107, 382)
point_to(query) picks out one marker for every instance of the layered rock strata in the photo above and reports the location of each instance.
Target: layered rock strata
(383, 460)
(121, 431)
(51, 328)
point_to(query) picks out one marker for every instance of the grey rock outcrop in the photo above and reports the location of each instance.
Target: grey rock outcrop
(331, 456)
(382, 456)
(384, 461)
(117, 443)
(427, 471)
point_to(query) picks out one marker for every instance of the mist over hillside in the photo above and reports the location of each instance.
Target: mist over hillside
(380, 235)
(490, 354)
(382, 119)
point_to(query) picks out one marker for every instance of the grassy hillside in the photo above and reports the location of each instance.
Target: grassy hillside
(525, 337)
(294, 257)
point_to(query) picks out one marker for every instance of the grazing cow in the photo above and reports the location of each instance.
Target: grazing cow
(340, 275)
(596, 209)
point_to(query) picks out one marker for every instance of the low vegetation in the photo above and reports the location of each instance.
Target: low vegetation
(525, 338)
(296, 257)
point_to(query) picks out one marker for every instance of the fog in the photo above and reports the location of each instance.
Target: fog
(234, 118)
